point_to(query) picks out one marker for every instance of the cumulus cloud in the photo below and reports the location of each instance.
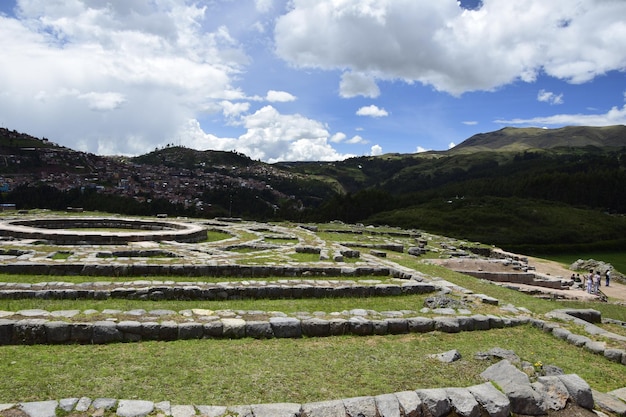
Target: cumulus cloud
(438, 43)
(103, 101)
(615, 116)
(357, 84)
(420, 149)
(338, 137)
(264, 6)
(230, 109)
(272, 137)
(154, 52)
(279, 96)
(376, 150)
(549, 97)
(372, 111)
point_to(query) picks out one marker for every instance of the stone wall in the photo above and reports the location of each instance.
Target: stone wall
(210, 292)
(42, 331)
(517, 278)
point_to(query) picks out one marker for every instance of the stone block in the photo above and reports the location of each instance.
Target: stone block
(447, 324)
(463, 402)
(190, 330)
(595, 347)
(360, 407)
(58, 332)
(338, 327)
(466, 324)
(214, 329)
(578, 389)
(30, 332)
(435, 402)
(360, 326)
(276, 410)
(106, 332)
(40, 408)
(561, 333)
(410, 403)
(481, 322)
(333, 408)
(609, 403)
(211, 411)
(553, 392)
(259, 330)
(387, 405)
(81, 332)
(134, 408)
(491, 400)
(286, 327)
(150, 330)
(315, 327)
(233, 328)
(420, 324)
(6, 331)
(614, 355)
(397, 326)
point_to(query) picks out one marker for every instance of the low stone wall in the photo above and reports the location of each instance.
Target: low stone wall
(59, 230)
(209, 292)
(485, 399)
(43, 331)
(526, 278)
(125, 270)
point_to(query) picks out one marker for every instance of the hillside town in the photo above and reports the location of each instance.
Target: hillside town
(65, 169)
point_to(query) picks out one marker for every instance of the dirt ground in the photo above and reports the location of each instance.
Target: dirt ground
(615, 290)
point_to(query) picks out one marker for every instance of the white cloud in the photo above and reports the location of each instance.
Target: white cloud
(264, 6)
(149, 61)
(358, 84)
(103, 101)
(372, 111)
(438, 43)
(376, 150)
(356, 139)
(338, 137)
(271, 137)
(549, 97)
(230, 109)
(279, 96)
(451, 145)
(470, 122)
(615, 116)
(419, 149)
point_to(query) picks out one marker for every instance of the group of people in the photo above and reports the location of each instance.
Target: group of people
(593, 280)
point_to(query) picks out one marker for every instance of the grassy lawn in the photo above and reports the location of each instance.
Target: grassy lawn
(245, 371)
(249, 371)
(408, 302)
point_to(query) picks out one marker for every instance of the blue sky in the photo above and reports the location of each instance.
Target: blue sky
(306, 79)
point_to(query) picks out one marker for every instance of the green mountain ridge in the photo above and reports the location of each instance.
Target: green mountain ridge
(520, 139)
(513, 187)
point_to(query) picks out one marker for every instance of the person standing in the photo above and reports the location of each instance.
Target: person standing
(597, 280)
(590, 281)
(607, 276)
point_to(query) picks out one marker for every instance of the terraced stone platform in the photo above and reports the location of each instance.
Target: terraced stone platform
(264, 259)
(66, 230)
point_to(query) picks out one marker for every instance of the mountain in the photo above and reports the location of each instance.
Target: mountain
(543, 189)
(510, 139)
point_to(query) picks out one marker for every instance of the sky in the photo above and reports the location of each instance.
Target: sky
(306, 80)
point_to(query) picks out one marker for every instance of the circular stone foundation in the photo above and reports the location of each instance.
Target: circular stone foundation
(66, 231)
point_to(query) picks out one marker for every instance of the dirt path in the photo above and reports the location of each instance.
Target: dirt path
(615, 290)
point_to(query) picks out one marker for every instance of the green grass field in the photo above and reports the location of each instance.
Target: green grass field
(248, 371)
